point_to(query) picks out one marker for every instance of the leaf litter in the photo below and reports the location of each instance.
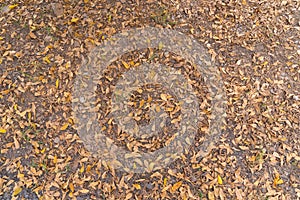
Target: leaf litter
(254, 44)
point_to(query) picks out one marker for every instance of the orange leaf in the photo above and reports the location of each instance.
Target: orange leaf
(176, 186)
(88, 168)
(137, 186)
(71, 186)
(64, 127)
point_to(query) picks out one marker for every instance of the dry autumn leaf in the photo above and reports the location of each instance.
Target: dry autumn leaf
(17, 191)
(74, 20)
(12, 6)
(125, 64)
(64, 127)
(57, 83)
(2, 130)
(220, 181)
(253, 44)
(137, 186)
(277, 180)
(176, 186)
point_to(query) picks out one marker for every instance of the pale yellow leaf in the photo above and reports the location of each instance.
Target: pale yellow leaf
(160, 45)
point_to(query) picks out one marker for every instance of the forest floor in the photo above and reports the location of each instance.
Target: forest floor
(255, 45)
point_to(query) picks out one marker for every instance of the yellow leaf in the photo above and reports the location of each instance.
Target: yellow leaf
(74, 20)
(12, 6)
(17, 191)
(220, 181)
(277, 180)
(68, 64)
(81, 169)
(20, 176)
(57, 83)
(280, 181)
(125, 64)
(176, 186)
(137, 186)
(265, 63)
(43, 150)
(46, 59)
(131, 63)
(64, 127)
(244, 2)
(2, 130)
(1, 38)
(165, 182)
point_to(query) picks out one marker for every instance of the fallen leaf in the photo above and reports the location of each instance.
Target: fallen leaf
(32, 35)
(64, 127)
(277, 180)
(2, 130)
(125, 64)
(176, 186)
(220, 181)
(57, 83)
(12, 6)
(74, 20)
(17, 191)
(137, 186)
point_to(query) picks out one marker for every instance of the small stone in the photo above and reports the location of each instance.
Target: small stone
(82, 100)
(56, 140)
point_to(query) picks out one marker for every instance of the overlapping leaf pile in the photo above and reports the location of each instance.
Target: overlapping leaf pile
(255, 45)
